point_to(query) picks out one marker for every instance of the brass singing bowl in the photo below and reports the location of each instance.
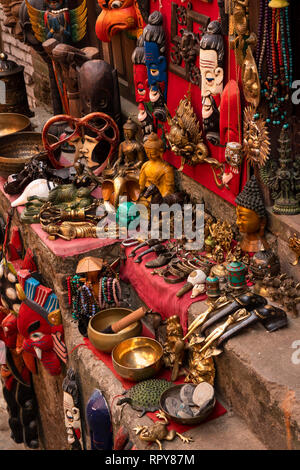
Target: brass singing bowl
(106, 342)
(174, 392)
(137, 358)
(18, 149)
(10, 123)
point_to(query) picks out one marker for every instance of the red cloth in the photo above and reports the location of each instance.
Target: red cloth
(219, 410)
(154, 291)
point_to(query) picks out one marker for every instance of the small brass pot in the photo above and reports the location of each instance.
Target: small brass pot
(137, 358)
(106, 342)
(174, 392)
(10, 123)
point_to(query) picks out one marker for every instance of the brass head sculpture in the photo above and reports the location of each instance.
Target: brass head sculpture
(251, 217)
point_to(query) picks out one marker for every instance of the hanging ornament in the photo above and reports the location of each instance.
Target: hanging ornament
(256, 138)
(278, 3)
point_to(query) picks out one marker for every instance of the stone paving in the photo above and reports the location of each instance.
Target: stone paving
(6, 443)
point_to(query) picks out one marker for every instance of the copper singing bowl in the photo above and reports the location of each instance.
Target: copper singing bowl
(10, 123)
(17, 149)
(174, 392)
(137, 358)
(106, 342)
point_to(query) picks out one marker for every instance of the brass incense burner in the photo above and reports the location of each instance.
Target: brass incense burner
(137, 358)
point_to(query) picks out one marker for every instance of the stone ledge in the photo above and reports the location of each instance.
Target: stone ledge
(255, 375)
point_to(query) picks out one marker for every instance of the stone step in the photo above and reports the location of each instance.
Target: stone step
(228, 432)
(258, 375)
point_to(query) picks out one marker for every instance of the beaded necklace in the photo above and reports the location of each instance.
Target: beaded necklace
(274, 44)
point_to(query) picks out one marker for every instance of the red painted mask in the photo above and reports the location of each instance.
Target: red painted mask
(37, 333)
(116, 15)
(10, 330)
(141, 83)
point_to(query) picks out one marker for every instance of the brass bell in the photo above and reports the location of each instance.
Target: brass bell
(278, 4)
(13, 95)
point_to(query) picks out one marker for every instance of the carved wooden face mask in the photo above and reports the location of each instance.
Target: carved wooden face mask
(116, 15)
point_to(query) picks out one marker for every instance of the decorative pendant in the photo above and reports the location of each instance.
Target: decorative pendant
(256, 138)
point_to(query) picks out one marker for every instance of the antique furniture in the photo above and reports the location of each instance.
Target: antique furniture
(137, 358)
(106, 342)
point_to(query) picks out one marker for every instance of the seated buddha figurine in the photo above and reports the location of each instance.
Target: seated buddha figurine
(122, 178)
(156, 171)
(131, 152)
(251, 217)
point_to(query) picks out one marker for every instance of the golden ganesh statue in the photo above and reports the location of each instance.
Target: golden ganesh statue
(156, 171)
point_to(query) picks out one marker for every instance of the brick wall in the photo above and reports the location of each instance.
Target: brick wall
(35, 70)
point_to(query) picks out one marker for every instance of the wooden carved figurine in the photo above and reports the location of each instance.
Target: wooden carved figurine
(251, 217)
(58, 22)
(240, 36)
(212, 76)
(71, 403)
(67, 61)
(116, 16)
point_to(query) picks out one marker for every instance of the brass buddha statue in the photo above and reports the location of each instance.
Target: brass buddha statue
(131, 152)
(251, 217)
(156, 171)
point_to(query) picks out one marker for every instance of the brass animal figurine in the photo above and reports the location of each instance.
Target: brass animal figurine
(200, 367)
(159, 432)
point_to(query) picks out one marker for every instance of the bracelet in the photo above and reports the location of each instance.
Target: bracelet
(116, 287)
(104, 291)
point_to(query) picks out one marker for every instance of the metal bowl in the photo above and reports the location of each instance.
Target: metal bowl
(10, 123)
(174, 392)
(17, 149)
(106, 342)
(137, 358)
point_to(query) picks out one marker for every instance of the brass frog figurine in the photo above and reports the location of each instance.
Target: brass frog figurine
(159, 432)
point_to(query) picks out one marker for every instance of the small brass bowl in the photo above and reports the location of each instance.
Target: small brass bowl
(106, 342)
(137, 358)
(10, 123)
(174, 392)
(18, 149)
